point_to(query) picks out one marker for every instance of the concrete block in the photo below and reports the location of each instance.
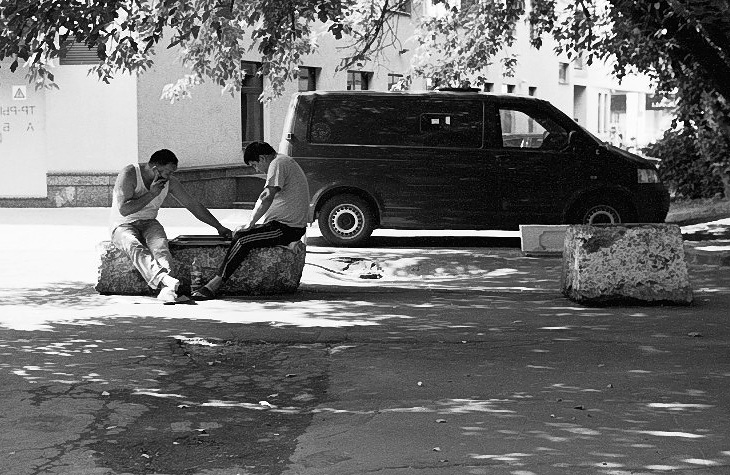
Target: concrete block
(270, 270)
(539, 240)
(641, 262)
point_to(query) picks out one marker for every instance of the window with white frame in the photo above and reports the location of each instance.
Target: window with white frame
(563, 73)
(308, 78)
(396, 81)
(432, 83)
(579, 61)
(358, 80)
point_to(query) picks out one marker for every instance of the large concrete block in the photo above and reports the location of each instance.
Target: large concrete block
(641, 262)
(269, 270)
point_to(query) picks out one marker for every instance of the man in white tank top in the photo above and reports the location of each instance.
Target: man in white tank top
(139, 192)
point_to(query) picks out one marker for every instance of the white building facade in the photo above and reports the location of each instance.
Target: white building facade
(64, 147)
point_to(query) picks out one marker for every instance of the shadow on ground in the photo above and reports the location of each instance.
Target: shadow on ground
(430, 241)
(708, 232)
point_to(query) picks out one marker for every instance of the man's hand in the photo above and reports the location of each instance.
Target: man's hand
(225, 232)
(240, 229)
(158, 184)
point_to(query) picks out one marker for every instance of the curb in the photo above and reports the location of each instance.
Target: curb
(720, 257)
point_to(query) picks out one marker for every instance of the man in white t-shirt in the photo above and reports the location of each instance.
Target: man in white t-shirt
(139, 192)
(283, 208)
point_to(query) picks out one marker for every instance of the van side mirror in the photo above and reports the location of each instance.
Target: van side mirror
(577, 141)
(291, 137)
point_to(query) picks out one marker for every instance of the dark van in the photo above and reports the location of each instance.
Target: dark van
(458, 160)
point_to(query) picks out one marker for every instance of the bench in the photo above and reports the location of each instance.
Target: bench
(625, 262)
(269, 270)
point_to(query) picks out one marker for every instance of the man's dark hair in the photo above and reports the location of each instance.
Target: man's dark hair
(163, 157)
(255, 149)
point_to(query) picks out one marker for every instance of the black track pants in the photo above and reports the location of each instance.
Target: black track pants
(270, 234)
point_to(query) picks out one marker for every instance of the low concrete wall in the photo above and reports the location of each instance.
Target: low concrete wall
(643, 263)
(70, 190)
(223, 186)
(269, 270)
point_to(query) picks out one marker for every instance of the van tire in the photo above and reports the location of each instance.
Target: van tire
(603, 213)
(346, 220)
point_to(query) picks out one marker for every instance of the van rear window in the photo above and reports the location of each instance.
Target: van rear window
(397, 121)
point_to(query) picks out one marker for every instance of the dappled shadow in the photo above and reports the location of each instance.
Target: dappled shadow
(708, 281)
(707, 232)
(547, 382)
(151, 405)
(483, 302)
(430, 241)
(76, 294)
(553, 407)
(450, 268)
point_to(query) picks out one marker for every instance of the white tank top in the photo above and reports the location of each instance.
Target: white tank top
(148, 212)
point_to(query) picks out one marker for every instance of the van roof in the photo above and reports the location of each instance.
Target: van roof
(449, 93)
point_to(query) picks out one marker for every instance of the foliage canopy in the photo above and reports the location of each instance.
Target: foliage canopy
(683, 44)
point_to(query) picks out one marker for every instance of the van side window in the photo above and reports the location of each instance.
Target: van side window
(397, 121)
(530, 129)
(458, 128)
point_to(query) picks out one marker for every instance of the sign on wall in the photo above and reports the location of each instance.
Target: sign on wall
(661, 101)
(20, 93)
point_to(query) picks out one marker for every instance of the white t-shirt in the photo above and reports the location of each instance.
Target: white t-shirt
(291, 202)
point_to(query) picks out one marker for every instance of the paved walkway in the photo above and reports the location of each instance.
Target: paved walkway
(460, 360)
(708, 243)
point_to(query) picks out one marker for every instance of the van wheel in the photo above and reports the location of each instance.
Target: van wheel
(602, 214)
(346, 220)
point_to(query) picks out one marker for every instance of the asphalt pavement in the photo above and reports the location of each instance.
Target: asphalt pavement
(462, 358)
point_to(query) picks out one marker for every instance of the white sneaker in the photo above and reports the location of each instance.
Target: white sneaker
(170, 281)
(167, 295)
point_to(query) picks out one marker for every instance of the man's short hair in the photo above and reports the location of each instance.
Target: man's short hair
(163, 157)
(255, 149)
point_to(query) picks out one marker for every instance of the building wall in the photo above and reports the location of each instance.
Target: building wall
(204, 129)
(22, 137)
(63, 147)
(90, 126)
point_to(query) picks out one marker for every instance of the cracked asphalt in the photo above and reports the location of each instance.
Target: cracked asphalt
(459, 360)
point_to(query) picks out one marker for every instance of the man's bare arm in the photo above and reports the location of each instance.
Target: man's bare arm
(262, 204)
(179, 192)
(124, 192)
